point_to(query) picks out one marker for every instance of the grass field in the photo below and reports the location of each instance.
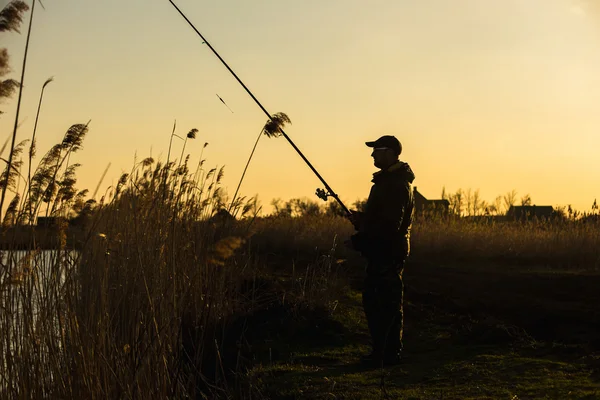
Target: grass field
(492, 312)
(471, 333)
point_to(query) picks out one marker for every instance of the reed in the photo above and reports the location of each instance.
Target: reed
(138, 296)
(10, 19)
(560, 243)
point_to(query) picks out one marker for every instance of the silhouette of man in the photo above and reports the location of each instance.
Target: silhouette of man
(383, 238)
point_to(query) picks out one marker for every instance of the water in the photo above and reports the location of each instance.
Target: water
(32, 300)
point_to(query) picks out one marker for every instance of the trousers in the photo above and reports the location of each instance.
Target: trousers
(382, 299)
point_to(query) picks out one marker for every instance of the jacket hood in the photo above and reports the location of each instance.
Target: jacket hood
(401, 169)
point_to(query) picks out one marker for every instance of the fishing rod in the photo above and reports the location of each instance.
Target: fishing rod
(321, 193)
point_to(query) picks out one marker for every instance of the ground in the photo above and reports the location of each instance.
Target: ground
(470, 333)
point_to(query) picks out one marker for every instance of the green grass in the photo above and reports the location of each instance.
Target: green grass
(436, 364)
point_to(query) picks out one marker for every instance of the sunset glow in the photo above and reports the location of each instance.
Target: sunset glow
(484, 95)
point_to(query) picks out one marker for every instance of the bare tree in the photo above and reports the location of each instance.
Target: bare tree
(478, 204)
(510, 198)
(498, 205)
(526, 200)
(468, 196)
(485, 208)
(457, 202)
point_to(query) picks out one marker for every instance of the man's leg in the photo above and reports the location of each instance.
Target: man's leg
(395, 318)
(371, 299)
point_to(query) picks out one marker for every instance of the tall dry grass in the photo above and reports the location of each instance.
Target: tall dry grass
(107, 320)
(144, 306)
(559, 243)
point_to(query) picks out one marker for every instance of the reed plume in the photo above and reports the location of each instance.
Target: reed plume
(275, 125)
(272, 128)
(11, 16)
(8, 87)
(4, 62)
(191, 135)
(10, 174)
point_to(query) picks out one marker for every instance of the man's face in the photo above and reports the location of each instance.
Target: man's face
(383, 157)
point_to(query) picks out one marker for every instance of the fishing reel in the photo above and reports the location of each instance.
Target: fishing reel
(323, 194)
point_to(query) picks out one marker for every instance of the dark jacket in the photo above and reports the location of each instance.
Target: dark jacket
(383, 235)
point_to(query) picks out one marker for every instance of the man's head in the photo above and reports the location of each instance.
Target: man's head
(386, 151)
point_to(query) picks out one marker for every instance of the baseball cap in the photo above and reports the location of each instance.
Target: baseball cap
(387, 141)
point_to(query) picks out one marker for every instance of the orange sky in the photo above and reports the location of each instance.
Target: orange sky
(483, 94)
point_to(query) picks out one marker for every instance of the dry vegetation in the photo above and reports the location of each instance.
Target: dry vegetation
(156, 299)
(144, 291)
(149, 302)
(162, 296)
(562, 243)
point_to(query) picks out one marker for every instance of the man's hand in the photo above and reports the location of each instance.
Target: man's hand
(355, 218)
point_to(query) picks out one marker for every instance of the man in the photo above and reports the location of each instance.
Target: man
(383, 238)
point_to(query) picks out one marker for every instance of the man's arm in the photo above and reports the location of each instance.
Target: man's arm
(384, 214)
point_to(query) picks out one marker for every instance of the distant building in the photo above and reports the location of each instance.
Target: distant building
(423, 204)
(526, 213)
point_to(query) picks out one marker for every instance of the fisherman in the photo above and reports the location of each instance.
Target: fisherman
(383, 238)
